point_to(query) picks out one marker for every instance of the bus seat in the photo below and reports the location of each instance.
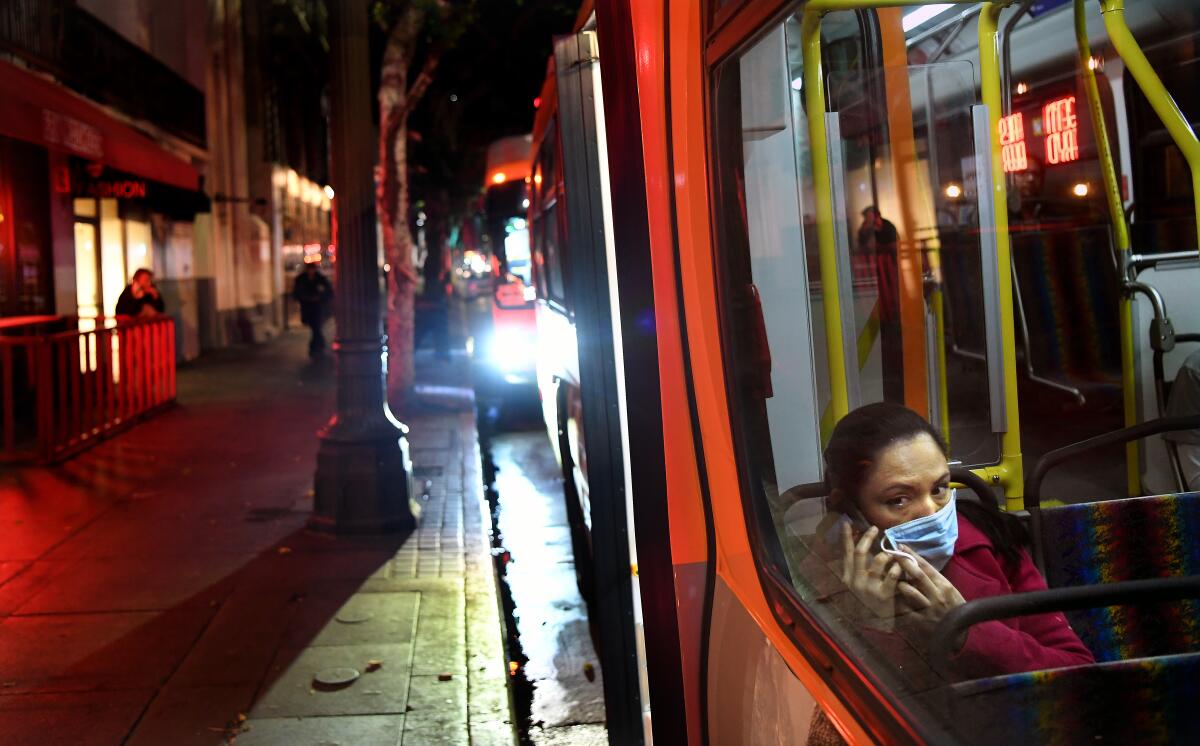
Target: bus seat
(1128, 539)
(1089, 704)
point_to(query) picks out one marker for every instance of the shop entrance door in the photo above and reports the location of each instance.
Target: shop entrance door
(87, 259)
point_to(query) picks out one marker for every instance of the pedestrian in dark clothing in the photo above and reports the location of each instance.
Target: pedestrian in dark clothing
(140, 297)
(878, 242)
(433, 313)
(313, 292)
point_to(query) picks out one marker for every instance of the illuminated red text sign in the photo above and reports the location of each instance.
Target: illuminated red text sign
(1012, 143)
(1061, 127)
(122, 188)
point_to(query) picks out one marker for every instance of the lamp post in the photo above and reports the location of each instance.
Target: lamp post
(363, 479)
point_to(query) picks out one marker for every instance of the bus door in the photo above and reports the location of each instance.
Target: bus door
(591, 286)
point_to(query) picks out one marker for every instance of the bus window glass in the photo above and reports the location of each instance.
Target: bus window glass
(546, 260)
(896, 246)
(516, 249)
(552, 247)
(1163, 208)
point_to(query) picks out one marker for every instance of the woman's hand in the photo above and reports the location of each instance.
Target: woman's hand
(927, 593)
(868, 577)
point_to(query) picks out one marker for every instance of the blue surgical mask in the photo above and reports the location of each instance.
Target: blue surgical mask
(931, 536)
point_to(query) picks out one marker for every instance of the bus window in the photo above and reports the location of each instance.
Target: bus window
(547, 243)
(1163, 208)
(773, 299)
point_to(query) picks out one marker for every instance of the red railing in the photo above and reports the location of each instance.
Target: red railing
(66, 383)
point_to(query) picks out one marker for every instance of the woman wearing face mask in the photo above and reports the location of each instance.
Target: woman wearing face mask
(912, 552)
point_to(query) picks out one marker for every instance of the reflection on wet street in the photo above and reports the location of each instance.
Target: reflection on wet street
(549, 615)
(557, 687)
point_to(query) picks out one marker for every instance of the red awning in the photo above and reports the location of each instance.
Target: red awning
(39, 111)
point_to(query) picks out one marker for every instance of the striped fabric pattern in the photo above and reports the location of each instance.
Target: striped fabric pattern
(1147, 701)
(1132, 539)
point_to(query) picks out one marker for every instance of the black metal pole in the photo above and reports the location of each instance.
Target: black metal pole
(363, 471)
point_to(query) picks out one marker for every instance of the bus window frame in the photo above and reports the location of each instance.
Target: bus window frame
(547, 204)
(1139, 114)
(861, 689)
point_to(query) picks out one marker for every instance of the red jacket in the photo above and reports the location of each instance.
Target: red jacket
(1013, 645)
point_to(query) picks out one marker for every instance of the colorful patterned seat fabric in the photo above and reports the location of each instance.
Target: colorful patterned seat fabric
(1146, 701)
(1131, 539)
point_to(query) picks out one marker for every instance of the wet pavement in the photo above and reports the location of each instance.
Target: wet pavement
(557, 683)
(550, 616)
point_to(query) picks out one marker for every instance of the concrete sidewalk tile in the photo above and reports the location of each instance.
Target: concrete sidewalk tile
(590, 734)
(240, 643)
(191, 716)
(434, 732)
(304, 571)
(291, 692)
(31, 539)
(360, 619)
(70, 719)
(125, 535)
(492, 733)
(9, 569)
(430, 699)
(134, 584)
(347, 730)
(27, 583)
(439, 656)
(96, 651)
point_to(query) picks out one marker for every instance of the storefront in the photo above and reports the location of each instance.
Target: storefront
(123, 223)
(302, 228)
(85, 200)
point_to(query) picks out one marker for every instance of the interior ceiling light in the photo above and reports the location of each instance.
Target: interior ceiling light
(920, 15)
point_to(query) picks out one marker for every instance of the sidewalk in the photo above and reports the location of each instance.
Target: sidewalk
(161, 587)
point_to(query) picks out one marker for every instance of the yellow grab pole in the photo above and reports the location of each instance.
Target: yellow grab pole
(1160, 100)
(1010, 471)
(831, 301)
(1116, 214)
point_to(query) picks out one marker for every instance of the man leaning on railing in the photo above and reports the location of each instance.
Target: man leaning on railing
(140, 297)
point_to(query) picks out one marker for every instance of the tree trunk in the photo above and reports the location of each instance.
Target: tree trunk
(396, 100)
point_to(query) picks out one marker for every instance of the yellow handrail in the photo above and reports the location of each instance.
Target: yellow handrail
(831, 300)
(1116, 214)
(1009, 472)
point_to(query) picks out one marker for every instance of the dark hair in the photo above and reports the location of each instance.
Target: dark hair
(863, 434)
(142, 271)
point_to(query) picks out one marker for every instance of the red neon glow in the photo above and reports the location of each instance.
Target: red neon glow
(1012, 143)
(1061, 127)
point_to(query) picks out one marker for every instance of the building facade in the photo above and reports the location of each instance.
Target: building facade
(136, 134)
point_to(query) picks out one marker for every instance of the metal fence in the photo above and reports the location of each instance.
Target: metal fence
(67, 383)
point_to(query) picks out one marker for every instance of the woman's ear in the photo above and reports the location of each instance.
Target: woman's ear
(837, 500)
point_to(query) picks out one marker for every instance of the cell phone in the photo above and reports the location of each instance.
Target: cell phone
(858, 526)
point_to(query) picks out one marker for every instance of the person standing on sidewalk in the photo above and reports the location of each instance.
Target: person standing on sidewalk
(140, 297)
(313, 292)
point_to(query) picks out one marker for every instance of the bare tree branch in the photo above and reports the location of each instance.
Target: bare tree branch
(419, 86)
